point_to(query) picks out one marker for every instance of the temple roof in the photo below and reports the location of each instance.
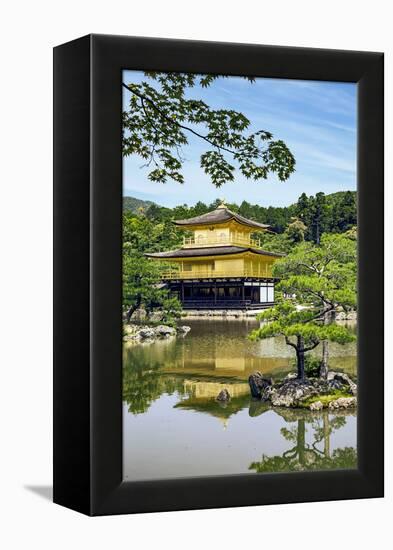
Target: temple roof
(211, 251)
(219, 215)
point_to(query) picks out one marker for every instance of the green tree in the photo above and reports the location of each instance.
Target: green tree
(302, 209)
(296, 231)
(161, 116)
(303, 329)
(332, 267)
(343, 212)
(319, 215)
(142, 285)
(315, 282)
(315, 213)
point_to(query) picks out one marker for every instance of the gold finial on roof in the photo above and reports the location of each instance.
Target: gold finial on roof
(222, 204)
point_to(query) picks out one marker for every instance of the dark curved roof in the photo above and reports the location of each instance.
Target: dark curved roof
(210, 251)
(220, 215)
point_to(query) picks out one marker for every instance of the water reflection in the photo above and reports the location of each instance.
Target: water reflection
(315, 455)
(174, 427)
(221, 349)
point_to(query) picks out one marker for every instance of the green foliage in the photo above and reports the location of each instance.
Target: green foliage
(335, 213)
(288, 225)
(325, 399)
(170, 309)
(142, 286)
(321, 274)
(296, 231)
(136, 206)
(161, 116)
(315, 282)
(290, 322)
(311, 366)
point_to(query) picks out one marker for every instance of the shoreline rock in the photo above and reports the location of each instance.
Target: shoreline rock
(144, 333)
(343, 403)
(312, 393)
(258, 384)
(220, 313)
(346, 316)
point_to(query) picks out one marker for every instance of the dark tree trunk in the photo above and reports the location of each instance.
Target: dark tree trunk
(300, 357)
(133, 309)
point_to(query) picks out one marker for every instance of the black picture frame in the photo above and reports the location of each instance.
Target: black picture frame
(87, 274)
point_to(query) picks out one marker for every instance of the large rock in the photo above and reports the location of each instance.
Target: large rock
(292, 393)
(343, 403)
(258, 384)
(224, 396)
(146, 333)
(163, 331)
(337, 378)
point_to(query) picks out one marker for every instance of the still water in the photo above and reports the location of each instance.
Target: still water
(174, 427)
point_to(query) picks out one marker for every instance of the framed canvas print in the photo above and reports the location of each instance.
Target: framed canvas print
(218, 275)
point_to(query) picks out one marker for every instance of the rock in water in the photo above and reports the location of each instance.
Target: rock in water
(223, 396)
(146, 333)
(292, 392)
(343, 403)
(258, 384)
(183, 329)
(316, 406)
(344, 379)
(163, 331)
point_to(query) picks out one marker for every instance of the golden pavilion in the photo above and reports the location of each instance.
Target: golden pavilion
(222, 265)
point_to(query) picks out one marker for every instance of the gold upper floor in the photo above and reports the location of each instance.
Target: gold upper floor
(231, 234)
(221, 240)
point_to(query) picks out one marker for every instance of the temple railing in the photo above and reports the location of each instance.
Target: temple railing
(234, 240)
(261, 271)
(225, 304)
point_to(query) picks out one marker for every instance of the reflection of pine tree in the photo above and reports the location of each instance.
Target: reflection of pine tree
(323, 428)
(304, 456)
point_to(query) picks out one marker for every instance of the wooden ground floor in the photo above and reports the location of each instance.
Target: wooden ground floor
(224, 293)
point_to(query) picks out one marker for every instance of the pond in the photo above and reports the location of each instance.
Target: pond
(173, 426)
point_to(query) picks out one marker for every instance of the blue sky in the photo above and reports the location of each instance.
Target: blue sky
(317, 120)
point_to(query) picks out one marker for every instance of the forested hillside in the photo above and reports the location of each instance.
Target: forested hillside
(335, 213)
(131, 204)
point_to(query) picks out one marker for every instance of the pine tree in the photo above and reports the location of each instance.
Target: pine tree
(315, 282)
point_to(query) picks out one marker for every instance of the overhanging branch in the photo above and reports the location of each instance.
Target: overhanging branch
(175, 123)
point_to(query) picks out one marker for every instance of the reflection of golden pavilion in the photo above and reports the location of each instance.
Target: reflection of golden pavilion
(202, 398)
(231, 359)
(222, 265)
(207, 390)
